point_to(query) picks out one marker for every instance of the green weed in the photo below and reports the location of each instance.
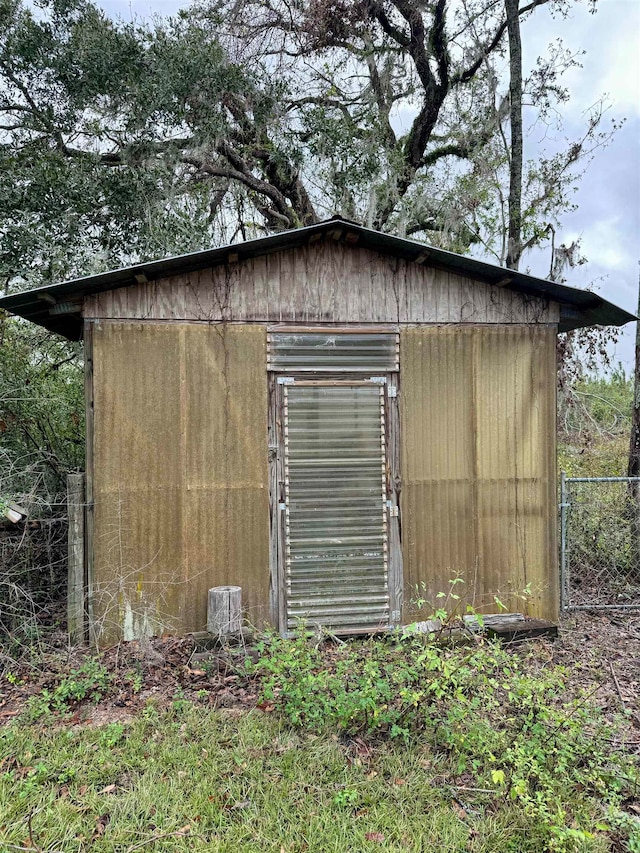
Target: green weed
(197, 780)
(510, 731)
(90, 681)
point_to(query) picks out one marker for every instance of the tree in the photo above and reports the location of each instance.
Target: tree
(41, 410)
(41, 438)
(633, 467)
(514, 240)
(123, 141)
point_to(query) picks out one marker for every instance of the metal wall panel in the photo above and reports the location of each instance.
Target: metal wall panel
(478, 466)
(227, 529)
(180, 474)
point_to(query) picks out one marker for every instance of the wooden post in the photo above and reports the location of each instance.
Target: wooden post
(224, 610)
(75, 585)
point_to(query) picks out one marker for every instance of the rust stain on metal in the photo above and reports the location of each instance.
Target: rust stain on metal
(478, 465)
(180, 474)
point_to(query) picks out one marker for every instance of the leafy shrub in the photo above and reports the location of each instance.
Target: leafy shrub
(90, 681)
(512, 730)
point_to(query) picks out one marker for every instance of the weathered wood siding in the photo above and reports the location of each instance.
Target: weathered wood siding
(321, 283)
(478, 466)
(179, 475)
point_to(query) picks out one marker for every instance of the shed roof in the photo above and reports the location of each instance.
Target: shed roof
(58, 307)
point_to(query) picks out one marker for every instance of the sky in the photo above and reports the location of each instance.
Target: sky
(607, 218)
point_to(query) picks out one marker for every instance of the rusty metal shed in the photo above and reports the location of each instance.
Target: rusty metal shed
(339, 421)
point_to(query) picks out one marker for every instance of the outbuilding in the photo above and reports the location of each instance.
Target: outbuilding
(351, 427)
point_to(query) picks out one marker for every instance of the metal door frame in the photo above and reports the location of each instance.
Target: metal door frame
(276, 383)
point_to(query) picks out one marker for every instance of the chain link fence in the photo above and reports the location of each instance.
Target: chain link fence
(599, 543)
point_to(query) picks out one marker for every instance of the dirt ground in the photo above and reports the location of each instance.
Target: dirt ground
(601, 652)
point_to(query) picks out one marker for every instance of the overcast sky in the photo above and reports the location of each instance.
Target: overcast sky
(607, 218)
(608, 215)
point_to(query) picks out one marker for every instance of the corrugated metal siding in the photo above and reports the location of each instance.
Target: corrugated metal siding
(478, 465)
(336, 514)
(322, 283)
(180, 474)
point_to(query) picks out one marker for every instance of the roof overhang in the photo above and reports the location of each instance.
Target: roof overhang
(58, 307)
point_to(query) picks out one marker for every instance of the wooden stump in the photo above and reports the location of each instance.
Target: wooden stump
(224, 610)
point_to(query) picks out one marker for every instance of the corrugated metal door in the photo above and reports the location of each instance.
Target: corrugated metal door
(336, 540)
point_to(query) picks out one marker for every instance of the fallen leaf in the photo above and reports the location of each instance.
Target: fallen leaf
(361, 748)
(101, 824)
(376, 837)
(459, 810)
(399, 782)
(109, 789)
(267, 707)
(184, 830)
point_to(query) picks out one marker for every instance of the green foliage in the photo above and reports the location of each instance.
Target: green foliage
(604, 457)
(41, 439)
(347, 797)
(602, 539)
(90, 681)
(41, 409)
(202, 781)
(478, 706)
(594, 420)
(112, 734)
(594, 425)
(124, 141)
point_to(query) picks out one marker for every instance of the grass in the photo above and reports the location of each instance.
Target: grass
(188, 779)
(394, 745)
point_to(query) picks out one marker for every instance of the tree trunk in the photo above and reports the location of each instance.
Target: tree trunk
(514, 243)
(633, 468)
(634, 444)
